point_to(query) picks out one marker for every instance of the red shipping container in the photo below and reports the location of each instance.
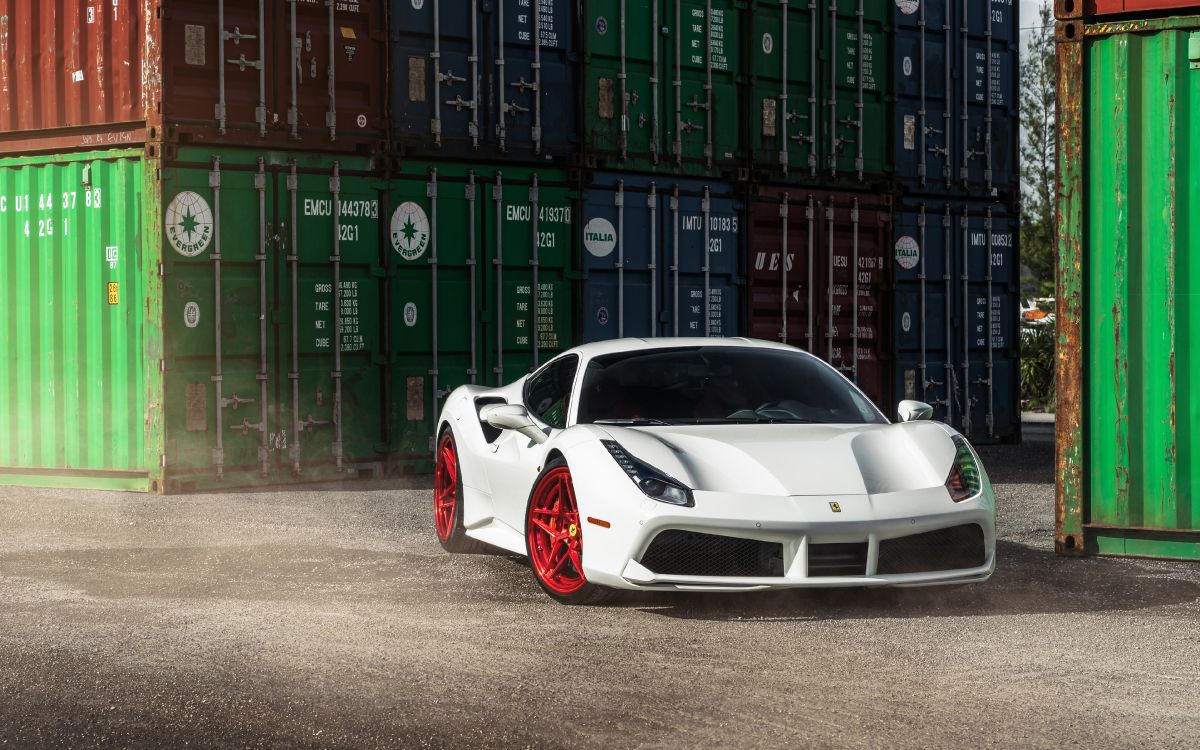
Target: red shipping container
(92, 73)
(817, 278)
(1067, 10)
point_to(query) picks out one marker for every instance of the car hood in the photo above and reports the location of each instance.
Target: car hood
(796, 460)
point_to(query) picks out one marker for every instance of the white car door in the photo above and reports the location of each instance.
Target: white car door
(516, 460)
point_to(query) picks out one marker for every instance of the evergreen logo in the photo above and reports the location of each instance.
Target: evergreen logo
(189, 224)
(908, 7)
(599, 237)
(908, 253)
(410, 231)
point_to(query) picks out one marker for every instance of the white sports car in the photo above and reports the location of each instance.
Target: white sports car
(708, 465)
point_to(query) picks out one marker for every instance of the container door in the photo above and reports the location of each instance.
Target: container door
(534, 77)
(925, 290)
(989, 65)
(73, 292)
(856, 234)
(623, 81)
(784, 109)
(701, 285)
(856, 104)
(435, 241)
(331, 92)
(620, 258)
(988, 295)
(783, 283)
(924, 93)
(703, 125)
(527, 223)
(436, 76)
(218, 351)
(330, 388)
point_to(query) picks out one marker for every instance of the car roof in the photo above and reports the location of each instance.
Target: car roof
(618, 346)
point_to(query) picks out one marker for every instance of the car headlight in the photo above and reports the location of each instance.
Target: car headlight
(653, 483)
(966, 478)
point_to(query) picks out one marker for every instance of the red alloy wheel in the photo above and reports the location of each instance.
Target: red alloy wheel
(445, 488)
(555, 536)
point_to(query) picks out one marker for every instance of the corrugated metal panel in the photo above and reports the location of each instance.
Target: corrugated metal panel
(1130, 331)
(494, 79)
(955, 120)
(464, 265)
(660, 257)
(84, 75)
(954, 350)
(74, 65)
(819, 126)
(77, 377)
(818, 273)
(661, 85)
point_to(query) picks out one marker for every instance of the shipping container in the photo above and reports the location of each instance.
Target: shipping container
(956, 97)
(481, 285)
(196, 306)
(819, 74)
(818, 278)
(80, 74)
(659, 257)
(956, 319)
(1128, 308)
(661, 85)
(485, 79)
(1076, 9)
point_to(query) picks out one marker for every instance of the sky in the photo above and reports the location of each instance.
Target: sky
(1029, 15)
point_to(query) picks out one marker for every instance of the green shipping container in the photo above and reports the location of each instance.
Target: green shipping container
(482, 282)
(173, 322)
(1129, 288)
(174, 325)
(662, 86)
(818, 109)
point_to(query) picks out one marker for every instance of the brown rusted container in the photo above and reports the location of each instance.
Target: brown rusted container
(81, 74)
(817, 278)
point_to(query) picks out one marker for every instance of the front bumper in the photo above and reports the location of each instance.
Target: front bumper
(798, 527)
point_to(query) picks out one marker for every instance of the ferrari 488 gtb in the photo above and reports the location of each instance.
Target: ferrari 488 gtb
(707, 465)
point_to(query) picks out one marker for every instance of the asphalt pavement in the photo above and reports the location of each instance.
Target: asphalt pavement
(332, 618)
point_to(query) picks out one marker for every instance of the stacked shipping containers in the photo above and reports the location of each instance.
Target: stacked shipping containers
(272, 237)
(1129, 281)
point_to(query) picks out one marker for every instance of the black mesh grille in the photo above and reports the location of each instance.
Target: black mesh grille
(829, 560)
(687, 553)
(945, 549)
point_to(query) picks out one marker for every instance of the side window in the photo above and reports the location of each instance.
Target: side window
(548, 394)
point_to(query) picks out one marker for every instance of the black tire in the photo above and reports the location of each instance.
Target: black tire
(581, 591)
(448, 523)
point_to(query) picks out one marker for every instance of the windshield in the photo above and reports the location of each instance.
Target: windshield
(719, 384)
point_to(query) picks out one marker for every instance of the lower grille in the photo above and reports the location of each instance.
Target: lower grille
(945, 549)
(688, 553)
(831, 560)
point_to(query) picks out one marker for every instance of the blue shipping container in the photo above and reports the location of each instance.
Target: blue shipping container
(499, 82)
(956, 327)
(660, 257)
(956, 89)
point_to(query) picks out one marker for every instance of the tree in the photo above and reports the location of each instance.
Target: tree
(1038, 153)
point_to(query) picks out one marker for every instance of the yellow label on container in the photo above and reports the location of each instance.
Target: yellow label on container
(348, 33)
(114, 293)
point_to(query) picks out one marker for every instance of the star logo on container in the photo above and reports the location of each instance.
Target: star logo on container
(410, 231)
(189, 224)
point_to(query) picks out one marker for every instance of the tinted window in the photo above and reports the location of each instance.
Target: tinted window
(708, 384)
(548, 393)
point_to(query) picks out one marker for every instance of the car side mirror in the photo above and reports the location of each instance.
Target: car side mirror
(914, 411)
(512, 417)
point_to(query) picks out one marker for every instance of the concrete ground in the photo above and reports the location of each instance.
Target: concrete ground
(333, 619)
